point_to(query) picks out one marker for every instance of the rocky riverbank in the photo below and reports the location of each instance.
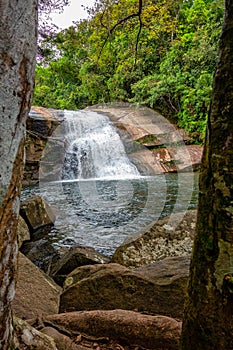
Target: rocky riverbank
(152, 142)
(77, 296)
(164, 147)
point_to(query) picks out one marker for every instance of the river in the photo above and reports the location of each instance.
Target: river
(98, 195)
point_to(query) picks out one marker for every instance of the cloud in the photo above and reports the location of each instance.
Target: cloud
(73, 12)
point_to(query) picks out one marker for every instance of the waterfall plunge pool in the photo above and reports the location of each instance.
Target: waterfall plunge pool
(98, 195)
(103, 213)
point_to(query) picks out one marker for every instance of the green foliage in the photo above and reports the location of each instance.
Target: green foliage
(182, 84)
(170, 71)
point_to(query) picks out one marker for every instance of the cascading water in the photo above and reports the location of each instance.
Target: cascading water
(94, 148)
(96, 190)
(98, 194)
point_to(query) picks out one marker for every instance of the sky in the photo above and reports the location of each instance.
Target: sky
(73, 12)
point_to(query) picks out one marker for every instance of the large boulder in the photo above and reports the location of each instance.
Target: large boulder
(62, 341)
(155, 242)
(75, 257)
(27, 337)
(156, 289)
(37, 214)
(41, 123)
(22, 231)
(36, 293)
(42, 253)
(128, 327)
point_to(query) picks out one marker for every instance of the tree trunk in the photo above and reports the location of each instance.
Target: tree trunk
(208, 316)
(17, 64)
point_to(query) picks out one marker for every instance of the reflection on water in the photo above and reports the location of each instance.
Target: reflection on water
(102, 213)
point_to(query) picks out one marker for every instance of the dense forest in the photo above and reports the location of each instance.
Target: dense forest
(162, 55)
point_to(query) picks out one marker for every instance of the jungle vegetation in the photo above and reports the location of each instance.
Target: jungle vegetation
(162, 55)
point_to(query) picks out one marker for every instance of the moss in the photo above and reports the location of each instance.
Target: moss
(147, 139)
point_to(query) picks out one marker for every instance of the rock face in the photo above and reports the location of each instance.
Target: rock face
(37, 213)
(112, 286)
(75, 257)
(36, 293)
(151, 332)
(41, 123)
(158, 242)
(164, 147)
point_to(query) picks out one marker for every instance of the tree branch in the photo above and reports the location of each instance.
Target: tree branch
(123, 20)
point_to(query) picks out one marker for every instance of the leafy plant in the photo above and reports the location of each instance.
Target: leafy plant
(165, 60)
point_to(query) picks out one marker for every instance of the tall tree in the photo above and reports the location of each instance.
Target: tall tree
(18, 23)
(208, 316)
(46, 27)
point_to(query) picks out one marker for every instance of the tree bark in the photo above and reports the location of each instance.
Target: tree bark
(18, 23)
(208, 316)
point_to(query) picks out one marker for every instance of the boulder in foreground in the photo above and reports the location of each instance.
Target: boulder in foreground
(129, 327)
(37, 213)
(22, 231)
(76, 256)
(164, 239)
(27, 337)
(36, 293)
(156, 289)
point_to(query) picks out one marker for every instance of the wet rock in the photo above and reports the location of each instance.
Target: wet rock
(27, 337)
(131, 328)
(170, 148)
(163, 239)
(75, 257)
(112, 286)
(22, 231)
(183, 158)
(36, 293)
(41, 253)
(37, 214)
(41, 123)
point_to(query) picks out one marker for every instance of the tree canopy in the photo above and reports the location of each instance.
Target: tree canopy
(162, 54)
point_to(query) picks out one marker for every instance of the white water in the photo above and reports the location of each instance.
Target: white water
(98, 195)
(94, 148)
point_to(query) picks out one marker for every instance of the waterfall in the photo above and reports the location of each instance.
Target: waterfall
(94, 148)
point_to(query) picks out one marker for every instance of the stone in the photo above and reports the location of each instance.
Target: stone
(62, 341)
(41, 122)
(129, 327)
(36, 293)
(42, 253)
(22, 231)
(37, 213)
(170, 148)
(27, 337)
(157, 289)
(183, 158)
(75, 257)
(158, 241)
